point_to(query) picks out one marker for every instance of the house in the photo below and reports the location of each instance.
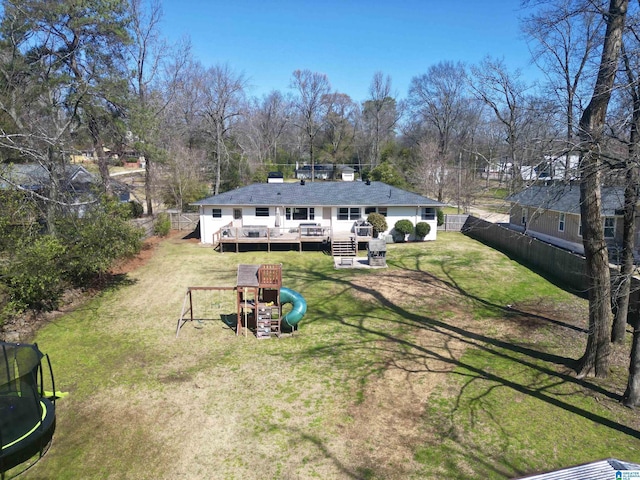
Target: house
(348, 174)
(323, 207)
(552, 214)
(320, 172)
(275, 177)
(552, 168)
(76, 181)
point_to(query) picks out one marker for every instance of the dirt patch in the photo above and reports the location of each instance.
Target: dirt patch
(149, 246)
(387, 425)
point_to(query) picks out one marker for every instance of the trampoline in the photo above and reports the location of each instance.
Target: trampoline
(27, 416)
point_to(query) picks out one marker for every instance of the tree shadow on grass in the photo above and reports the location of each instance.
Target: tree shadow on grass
(399, 351)
(111, 281)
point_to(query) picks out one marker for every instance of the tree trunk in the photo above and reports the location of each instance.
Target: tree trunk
(103, 166)
(623, 289)
(596, 356)
(218, 165)
(631, 396)
(628, 244)
(148, 191)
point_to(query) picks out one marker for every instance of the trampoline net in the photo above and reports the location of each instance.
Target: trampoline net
(20, 407)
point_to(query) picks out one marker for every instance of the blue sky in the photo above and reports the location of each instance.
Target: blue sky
(348, 40)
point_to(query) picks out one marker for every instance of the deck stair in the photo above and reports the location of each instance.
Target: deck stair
(344, 246)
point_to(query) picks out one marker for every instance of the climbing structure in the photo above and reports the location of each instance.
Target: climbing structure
(258, 289)
(259, 296)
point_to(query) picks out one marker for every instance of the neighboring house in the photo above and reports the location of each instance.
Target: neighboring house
(275, 177)
(348, 174)
(334, 207)
(552, 214)
(320, 172)
(77, 183)
(551, 168)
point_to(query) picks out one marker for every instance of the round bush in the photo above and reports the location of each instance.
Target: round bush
(378, 222)
(440, 214)
(422, 229)
(403, 227)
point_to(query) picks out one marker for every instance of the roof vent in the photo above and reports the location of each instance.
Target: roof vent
(302, 182)
(368, 182)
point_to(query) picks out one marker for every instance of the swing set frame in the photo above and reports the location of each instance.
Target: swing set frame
(187, 304)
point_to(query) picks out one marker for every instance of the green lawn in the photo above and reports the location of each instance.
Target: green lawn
(454, 362)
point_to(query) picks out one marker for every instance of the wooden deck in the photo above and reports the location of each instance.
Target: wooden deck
(261, 235)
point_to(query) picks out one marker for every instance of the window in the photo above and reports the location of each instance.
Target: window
(428, 213)
(524, 216)
(381, 210)
(561, 223)
(609, 227)
(348, 213)
(216, 213)
(300, 213)
(237, 213)
(262, 211)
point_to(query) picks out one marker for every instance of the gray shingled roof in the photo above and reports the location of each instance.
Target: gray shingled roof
(35, 177)
(600, 470)
(566, 198)
(341, 194)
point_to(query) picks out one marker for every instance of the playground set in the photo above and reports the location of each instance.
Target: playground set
(27, 410)
(259, 297)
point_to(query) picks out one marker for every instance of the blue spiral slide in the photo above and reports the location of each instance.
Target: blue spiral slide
(298, 303)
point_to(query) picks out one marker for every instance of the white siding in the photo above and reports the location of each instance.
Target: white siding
(210, 225)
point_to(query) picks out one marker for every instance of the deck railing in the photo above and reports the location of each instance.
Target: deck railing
(262, 233)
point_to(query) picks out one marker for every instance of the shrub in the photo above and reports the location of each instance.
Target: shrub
(34, 276)
(403, 227)
(440, 214)
(162, 226)
(137, 210)
(422, 229)
(378, 222)
(96, 241)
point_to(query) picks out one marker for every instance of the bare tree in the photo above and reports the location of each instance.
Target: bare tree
(428, 172)
(438, 99)
(339, 127)
(504, 93)
(311, 105)
(622, 282)
(566, 38)
(631, 68)
(263, 126)
(380, 115)
(596, 356)
(223, 101)
(156, 68)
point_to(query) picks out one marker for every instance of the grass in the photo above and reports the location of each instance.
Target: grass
(454, 362)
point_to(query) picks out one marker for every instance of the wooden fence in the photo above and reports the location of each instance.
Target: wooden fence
(453, 223)
(184, 221)
(554, 263)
